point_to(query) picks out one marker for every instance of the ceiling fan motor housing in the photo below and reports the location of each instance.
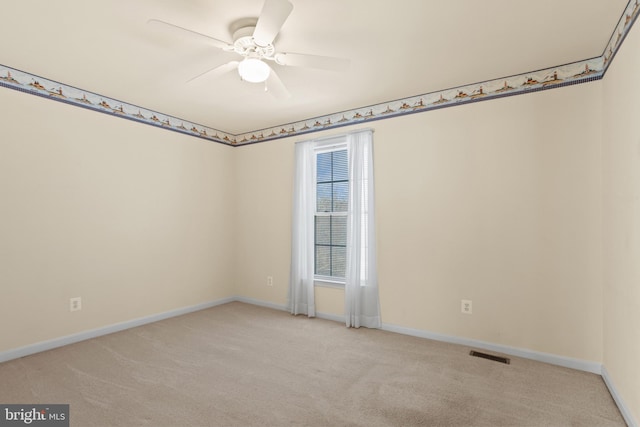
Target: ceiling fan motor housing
(244, 44)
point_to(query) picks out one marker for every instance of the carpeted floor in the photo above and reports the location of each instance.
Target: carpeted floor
(242, 365)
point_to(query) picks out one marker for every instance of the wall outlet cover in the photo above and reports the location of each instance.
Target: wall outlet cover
(466, 306)
(75, 304)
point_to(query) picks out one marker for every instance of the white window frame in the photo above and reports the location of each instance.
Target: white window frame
(321, 280)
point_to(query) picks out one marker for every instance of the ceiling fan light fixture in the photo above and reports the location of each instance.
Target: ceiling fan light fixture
(253, 70)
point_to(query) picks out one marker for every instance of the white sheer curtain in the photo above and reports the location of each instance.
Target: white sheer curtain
(362, 304)
(301, 295)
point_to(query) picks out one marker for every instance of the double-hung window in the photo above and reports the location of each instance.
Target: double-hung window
(331, 208)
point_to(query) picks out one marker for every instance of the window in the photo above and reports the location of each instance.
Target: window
(330, 222)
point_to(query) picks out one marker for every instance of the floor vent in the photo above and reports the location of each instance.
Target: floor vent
(490, 357)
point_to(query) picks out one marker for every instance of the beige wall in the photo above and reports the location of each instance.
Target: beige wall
(133, 219)
(498, 202)
(263, 186)
(621, 152)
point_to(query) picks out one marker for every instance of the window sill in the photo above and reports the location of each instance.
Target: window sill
(328, 283)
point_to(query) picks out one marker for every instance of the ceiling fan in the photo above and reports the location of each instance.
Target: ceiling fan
(253, 40)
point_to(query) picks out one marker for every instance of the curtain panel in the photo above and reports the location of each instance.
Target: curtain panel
(301, 295)
(362, 305)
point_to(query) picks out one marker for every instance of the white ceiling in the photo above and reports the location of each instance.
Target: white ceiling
(397, 49)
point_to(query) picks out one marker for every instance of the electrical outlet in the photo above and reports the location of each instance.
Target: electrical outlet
(269, 280)
(466, 306)
(75, 304)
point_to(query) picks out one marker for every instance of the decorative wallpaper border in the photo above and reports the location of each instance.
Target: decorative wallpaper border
(35, 85)
(563, 75)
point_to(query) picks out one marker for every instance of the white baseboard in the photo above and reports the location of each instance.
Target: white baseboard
(94, 333)
(329, 316)
(253, 301)
(567, 362)
(261, 303)
(624, 409)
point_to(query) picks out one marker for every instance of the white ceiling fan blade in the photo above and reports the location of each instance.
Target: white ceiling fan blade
(312, 61)
(274, 14)
(275, 86)
(184, 32)
(217, 71)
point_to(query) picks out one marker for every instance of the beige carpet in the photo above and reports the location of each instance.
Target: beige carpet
(241, 365)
